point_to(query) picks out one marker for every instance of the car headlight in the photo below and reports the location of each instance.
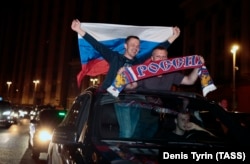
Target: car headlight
(7, 113)
(45, 135)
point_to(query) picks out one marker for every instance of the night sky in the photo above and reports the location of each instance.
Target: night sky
(130, 12)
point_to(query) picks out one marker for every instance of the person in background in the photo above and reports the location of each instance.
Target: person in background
(183, 126)
(224, 104)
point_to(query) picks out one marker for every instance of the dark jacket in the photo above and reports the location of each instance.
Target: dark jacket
(115, 59)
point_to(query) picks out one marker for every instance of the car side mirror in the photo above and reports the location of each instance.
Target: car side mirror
(64, 135)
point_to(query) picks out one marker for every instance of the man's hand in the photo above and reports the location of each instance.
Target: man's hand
(76, 26)
(176, 31)
(193, 126)
(122, 69)
(202, 59)
(129, 86)
(176, 34)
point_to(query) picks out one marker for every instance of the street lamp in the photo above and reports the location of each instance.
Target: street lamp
(234, 50)
(8, 83)
(93, 80)
(36, 82)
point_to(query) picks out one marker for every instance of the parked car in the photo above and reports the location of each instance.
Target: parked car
(41, 128)
(91, 131)
(8, 115)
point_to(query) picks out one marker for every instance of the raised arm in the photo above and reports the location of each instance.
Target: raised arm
(106, 53)
(192, 77)
(76, 26)
(193, 126)
(176, 34)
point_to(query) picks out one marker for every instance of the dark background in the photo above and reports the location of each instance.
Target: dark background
(130, 12)
(36, 42)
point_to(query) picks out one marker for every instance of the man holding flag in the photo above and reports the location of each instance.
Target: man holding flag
(115, 59)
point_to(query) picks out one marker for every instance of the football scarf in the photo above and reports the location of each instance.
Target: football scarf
(156, 68)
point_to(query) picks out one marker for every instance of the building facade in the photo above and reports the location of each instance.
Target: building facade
(43, 60)
(210, 29)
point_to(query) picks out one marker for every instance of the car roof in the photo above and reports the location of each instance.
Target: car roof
(188, 95)
(47, 114)
(95, 89)
(5, 104)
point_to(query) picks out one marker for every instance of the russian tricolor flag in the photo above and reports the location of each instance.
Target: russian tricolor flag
(113, 36)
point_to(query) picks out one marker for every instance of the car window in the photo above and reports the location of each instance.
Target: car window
(109, 117)
(78, 113)
(155, 114)
(72, 115)
(84, 112)
(108, 124)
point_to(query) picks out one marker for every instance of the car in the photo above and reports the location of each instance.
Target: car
(37, 108)
(41, 128)
(8, 116)
(92, 131)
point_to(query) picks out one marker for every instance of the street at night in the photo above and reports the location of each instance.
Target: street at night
(14, 145)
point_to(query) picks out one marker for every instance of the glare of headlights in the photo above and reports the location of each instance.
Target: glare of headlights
(45, 135)
(6, 112)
